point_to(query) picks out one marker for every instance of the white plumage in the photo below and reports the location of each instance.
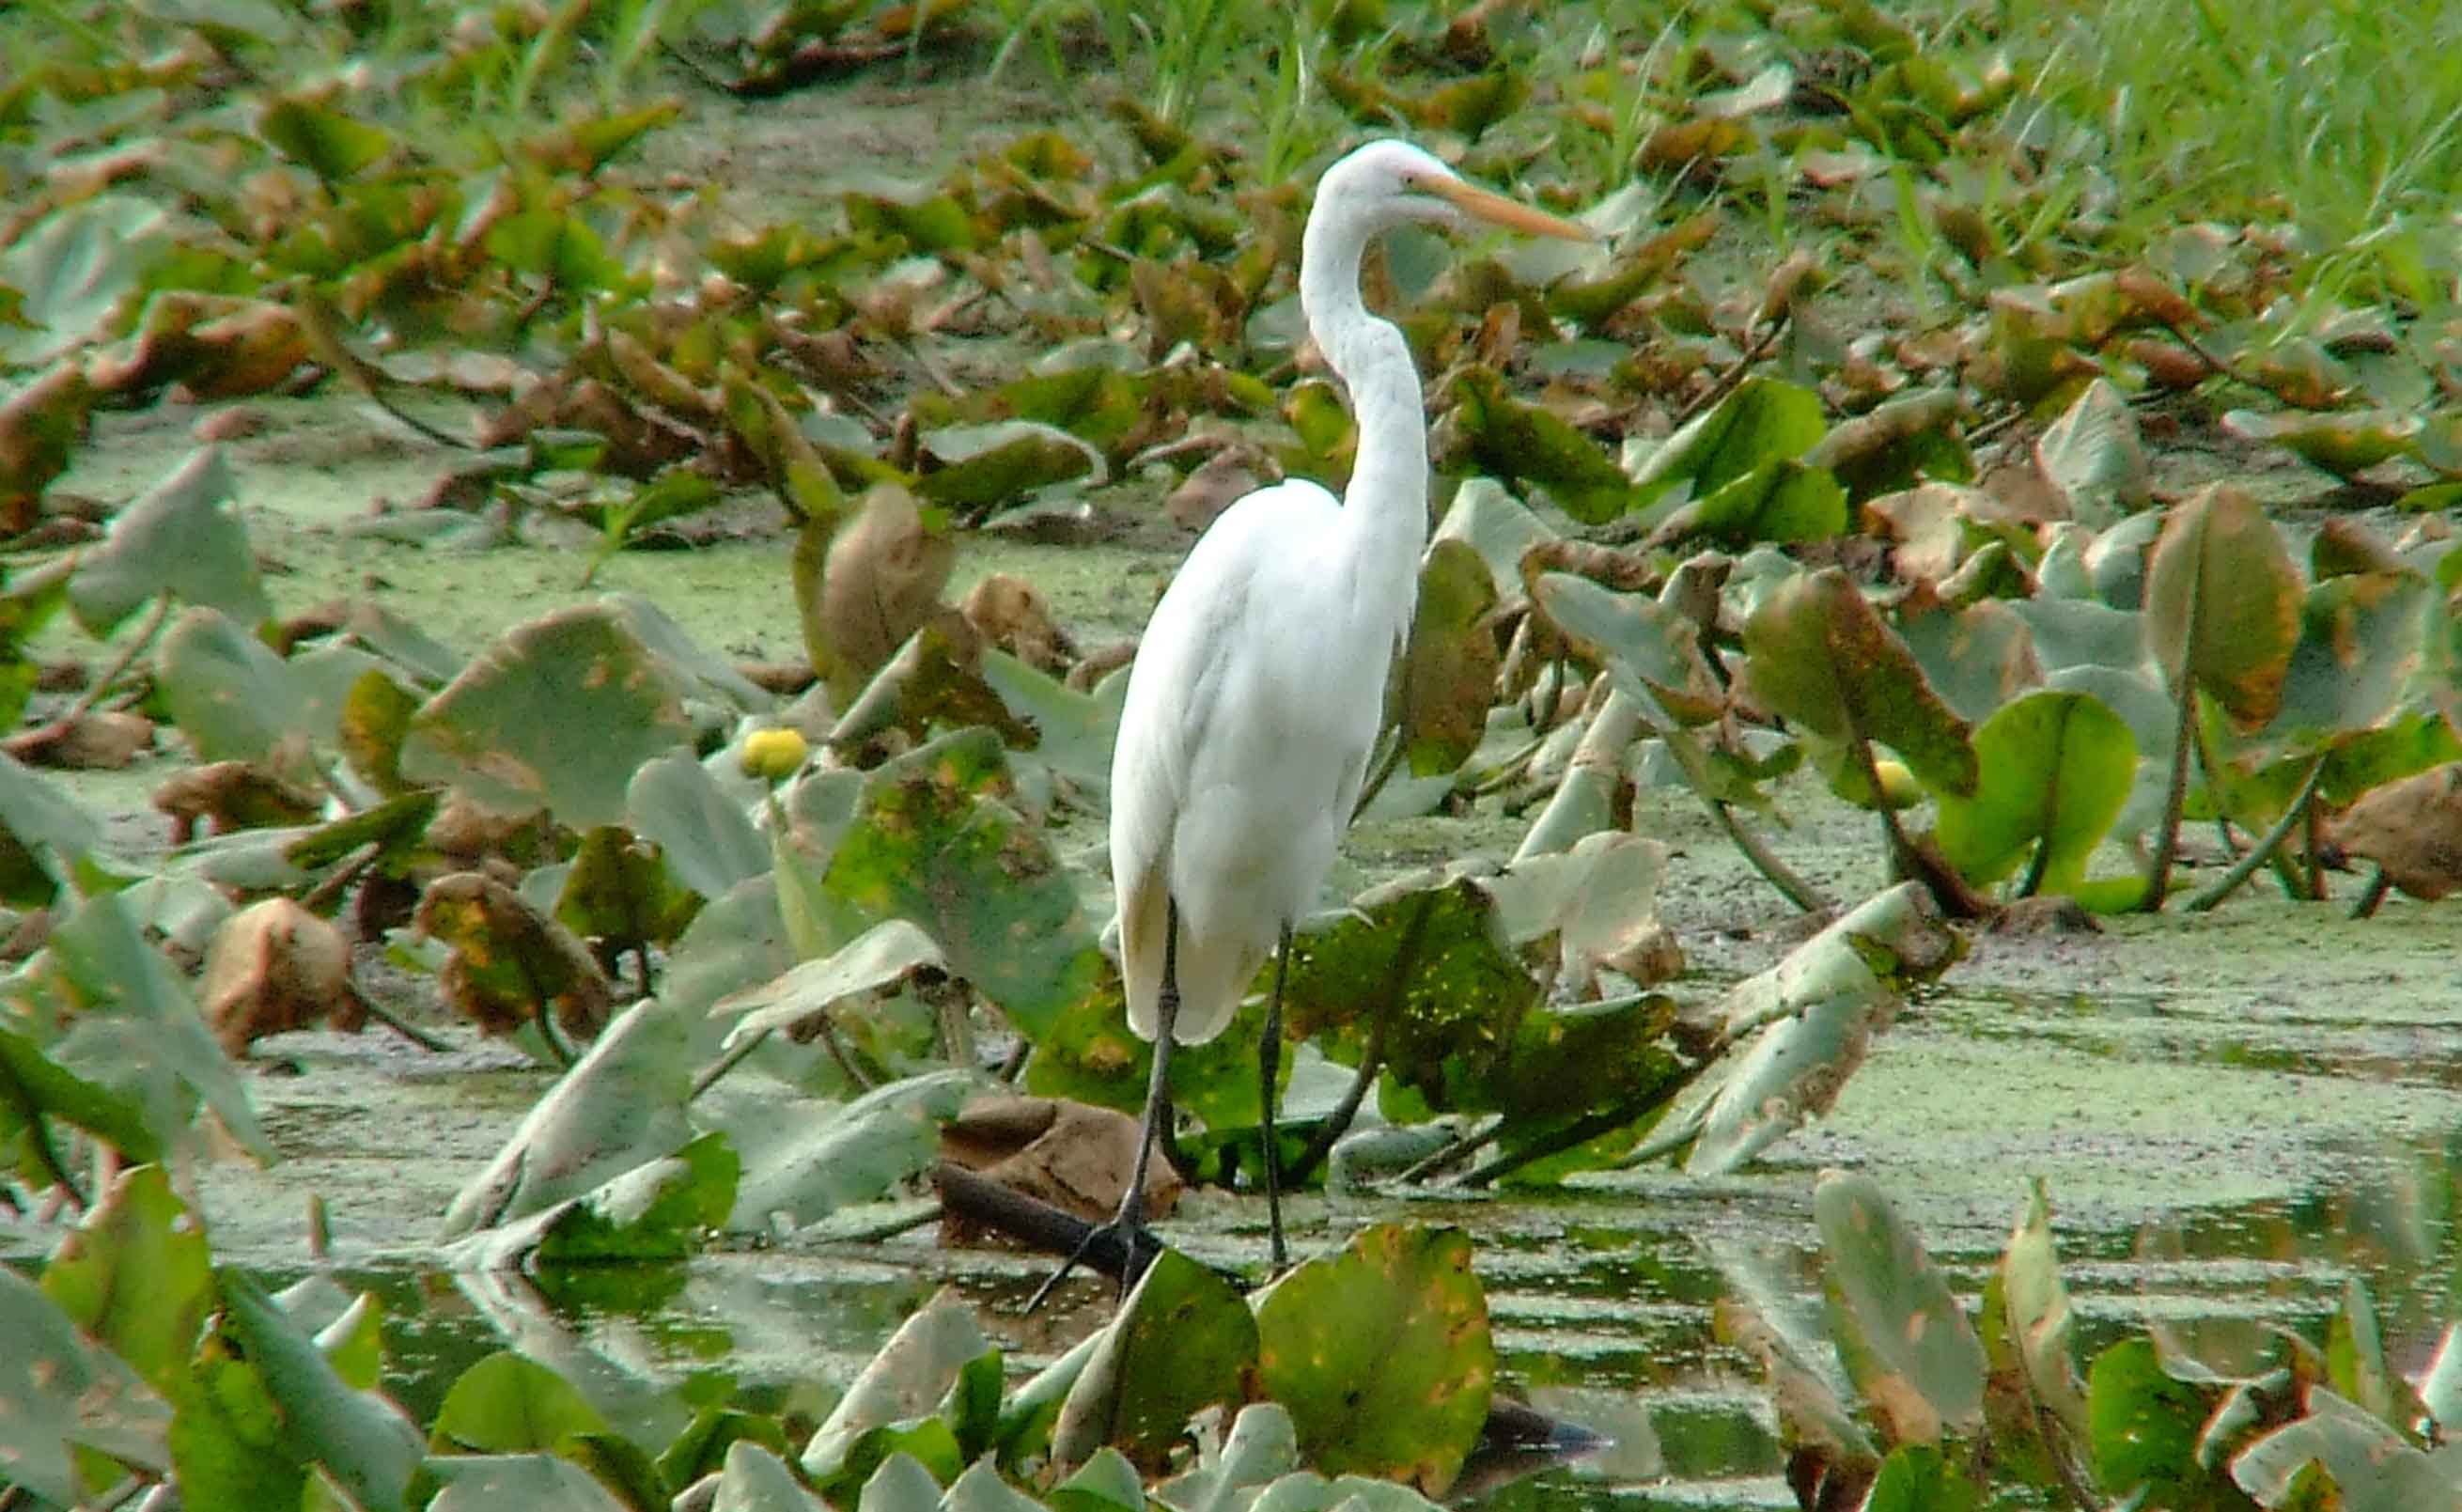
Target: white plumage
(1258, 687)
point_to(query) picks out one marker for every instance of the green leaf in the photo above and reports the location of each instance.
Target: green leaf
(1184, 1341)
(621, 1104)
(80, 270)
(176, 538)
(558, 714)
(44, 835)
(1916, 1477)
(1780, 501)
(1901, 1331)
(2143, 1424)
(509, 1404)
(1513, 442)
(33, 1088)
(934, 840)
(2092, 455)
(1382, 1355)
(756, 1479)
(135, 1276)
(233, 698)
(807, 1168)
(1763, 421)
(674, 803)
(1260, 1446)
(1820, 656)
(890, 952)
(331, 144)
(656, 1211)
(987, 466)
(1448, 672)
(1651, 651)
(1820, 1005)
(2055, 769)
(60, 1392)
(2223, 602)
(532, 1483)
(908, 1378)
(619, 892)
(2039, 1318)
(362, 1440)
(139, 1033)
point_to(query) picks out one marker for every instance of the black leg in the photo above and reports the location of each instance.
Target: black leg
(1269, 1063)
(1130, 1219)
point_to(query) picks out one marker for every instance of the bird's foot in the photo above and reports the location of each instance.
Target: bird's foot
(1122, 1246)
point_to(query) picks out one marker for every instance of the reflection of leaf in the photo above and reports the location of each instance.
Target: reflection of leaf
(176, 538)
(1381, 1355)
(1901, 1331)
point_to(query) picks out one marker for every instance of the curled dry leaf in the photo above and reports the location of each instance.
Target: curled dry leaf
(510, 962)
(882, 579)
(1008, 613)
(2412, 830)
(272, 968)
(230, 795)
(1073, 1156)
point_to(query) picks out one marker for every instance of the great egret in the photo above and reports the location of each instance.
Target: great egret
(1258, 687)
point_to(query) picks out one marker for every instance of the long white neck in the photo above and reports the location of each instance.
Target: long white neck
(1385, 509)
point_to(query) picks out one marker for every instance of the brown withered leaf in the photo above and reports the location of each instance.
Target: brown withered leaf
(2412, 829)
(1008, 613)
(272, 968)
(1217, 483)
(881, 580)
(40, 425)
(98, 740)
(230, 795)
(512, 964)
(1073, 1156)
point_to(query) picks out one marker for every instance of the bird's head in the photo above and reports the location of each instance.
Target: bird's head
(1388, 183)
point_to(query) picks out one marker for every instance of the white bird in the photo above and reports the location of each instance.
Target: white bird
(1259, 688)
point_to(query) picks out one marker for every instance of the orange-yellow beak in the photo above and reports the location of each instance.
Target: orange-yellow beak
(1512, 214)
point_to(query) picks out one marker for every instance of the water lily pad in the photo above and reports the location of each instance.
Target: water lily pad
(2055, 771)
(1382, 1355)
(61, 1393)
(2223, 602)
(1181, 1342)
(1823, 657)
(558, 714)
(179, 538)
(1763, 421)
(508, 1403)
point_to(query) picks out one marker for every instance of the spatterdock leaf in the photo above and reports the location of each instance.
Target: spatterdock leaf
(1506, 439)
(1763, 421)
(558, 714)
(60, 1392)
(1184, 1341)
(177, 538)
(2055, 769)
(1449, 672)
(135, 1276)
(2223, 601)
(1382, 1355)
(1823, 657)
(1901, 1331)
